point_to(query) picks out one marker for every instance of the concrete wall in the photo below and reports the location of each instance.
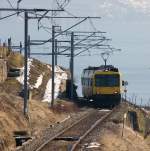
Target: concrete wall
(143, 120)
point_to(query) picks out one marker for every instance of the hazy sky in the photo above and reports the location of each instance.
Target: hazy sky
(127, 22)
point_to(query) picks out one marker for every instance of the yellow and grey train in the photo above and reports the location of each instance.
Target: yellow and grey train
(102, 84)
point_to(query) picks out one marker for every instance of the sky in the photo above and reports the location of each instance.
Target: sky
(126, 22)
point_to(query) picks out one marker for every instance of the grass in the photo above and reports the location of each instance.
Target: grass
(11, 85)
(15, 60)
(61, 106)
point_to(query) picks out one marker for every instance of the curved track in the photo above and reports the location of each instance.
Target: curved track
(68, 139)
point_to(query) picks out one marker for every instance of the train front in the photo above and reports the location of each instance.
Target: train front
(107, 88)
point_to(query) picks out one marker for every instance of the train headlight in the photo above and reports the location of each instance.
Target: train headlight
(98, 92)
(115, 92)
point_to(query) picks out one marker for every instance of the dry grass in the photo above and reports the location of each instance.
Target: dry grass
(12, 118)
(4, 52)
(62, 106)
(15, 60)
(11, 105)
(11, 85)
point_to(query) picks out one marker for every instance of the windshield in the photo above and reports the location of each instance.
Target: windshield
(107, 80)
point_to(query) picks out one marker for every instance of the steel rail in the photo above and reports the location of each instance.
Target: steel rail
(90, 130)
(63, 131)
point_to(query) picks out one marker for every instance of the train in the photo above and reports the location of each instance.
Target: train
(102, 85)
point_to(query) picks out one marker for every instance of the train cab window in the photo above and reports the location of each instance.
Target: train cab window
(107, 80)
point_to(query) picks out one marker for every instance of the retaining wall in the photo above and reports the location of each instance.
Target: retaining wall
(142, 118)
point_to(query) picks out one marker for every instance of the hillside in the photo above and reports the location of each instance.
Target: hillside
(11, 102)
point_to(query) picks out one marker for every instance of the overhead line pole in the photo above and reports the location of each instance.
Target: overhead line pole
(53, 65)
(72, 65)
(66, 30)
(26, 11)
(56, 56)
(26, 63)
(78, 42)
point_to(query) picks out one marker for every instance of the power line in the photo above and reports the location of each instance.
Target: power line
(13, 7)
(92, 24)
(13, 14)
(65, 30)
(86, 49)
(10, 3)
(64, 4)
(46, 29)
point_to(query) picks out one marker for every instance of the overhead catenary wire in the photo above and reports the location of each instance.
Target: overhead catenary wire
(64, 31)
(79, 41)
(88, 48)
(64, 4)
(13, 7)
(8, 16)
(59, 6)
(10, 3)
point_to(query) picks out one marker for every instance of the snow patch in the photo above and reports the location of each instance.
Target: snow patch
(92, 145)
(59, 76)
(104, 110)
(39, 81)
(21, 77)
(145, 110)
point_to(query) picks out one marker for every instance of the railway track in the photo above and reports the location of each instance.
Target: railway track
(69, 138)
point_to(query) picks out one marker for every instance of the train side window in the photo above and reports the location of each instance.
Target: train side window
(88, 82)
(83, 81)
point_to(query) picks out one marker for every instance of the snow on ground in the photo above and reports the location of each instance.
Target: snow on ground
(59, 76)
(147, 111)
(39, 81)
(21, 77)
(93, 145)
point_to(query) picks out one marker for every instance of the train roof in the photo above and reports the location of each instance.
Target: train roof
(103, 68)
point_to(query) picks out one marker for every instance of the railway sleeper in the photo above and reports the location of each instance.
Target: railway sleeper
(68, 138)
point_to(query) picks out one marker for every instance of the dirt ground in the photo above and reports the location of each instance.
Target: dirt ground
(111, 139)
(113, 136)
(40, 117)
